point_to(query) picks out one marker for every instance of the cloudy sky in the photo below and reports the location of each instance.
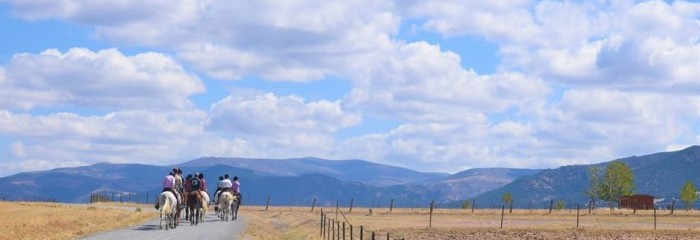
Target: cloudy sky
(431, 85)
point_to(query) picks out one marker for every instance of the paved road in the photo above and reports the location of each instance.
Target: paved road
(212, 228)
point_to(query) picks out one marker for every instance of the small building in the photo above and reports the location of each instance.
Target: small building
(637, 201)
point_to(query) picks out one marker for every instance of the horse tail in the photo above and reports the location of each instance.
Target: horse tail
(165, 207)
(203, 202)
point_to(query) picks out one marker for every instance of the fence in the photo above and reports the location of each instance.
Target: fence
(123, 197)
(335, 229)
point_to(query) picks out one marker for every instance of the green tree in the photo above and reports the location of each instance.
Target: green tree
(594, 190)
(689, 194)
(507, 199)
(618, 180)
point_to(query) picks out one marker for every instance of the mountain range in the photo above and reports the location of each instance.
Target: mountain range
(660, 175)
(299, 181)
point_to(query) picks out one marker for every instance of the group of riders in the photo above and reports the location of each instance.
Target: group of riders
(175, 183)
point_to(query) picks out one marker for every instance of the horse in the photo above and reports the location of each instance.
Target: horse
(196, 206)
(204, 207)
(228, 203)
(168, 210)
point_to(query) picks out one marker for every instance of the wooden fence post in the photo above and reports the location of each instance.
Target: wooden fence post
(313, 205)
(373, 235)
(654, 217)
(343, 230)
(352, 200)
(321, 234)
(503, 210)
(268, 203)
(391, 206)
(511, 206)
(432, 204)
(673, 205)
(362, 231)
(351, 230)
(551, 203)
(473, 204)
(578, 208)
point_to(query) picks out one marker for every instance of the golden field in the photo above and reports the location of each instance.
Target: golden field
(36, 220)
(30, 220)
(300, 223)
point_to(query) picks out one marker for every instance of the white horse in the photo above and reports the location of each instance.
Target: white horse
(168, 209)
(228, 203)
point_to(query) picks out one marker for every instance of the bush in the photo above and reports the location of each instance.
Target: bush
(467, 204)
(559, 205)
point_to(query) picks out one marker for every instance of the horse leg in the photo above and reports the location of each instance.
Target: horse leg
(198, 217)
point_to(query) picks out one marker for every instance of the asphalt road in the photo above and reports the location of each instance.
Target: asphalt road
(211, 228)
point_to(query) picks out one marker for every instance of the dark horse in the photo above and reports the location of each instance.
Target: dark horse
(196, 207)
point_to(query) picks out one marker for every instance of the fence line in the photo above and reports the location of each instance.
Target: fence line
(332, 229)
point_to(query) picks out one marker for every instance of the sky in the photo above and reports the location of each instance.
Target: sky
(429, 85)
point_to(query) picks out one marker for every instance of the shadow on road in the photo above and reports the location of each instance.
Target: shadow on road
(147, 227)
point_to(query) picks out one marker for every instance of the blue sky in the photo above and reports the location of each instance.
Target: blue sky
(430, 85)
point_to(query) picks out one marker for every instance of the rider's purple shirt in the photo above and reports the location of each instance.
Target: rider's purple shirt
(236, 186)
(168, 182)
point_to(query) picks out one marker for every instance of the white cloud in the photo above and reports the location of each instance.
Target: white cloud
(103, 79)
(421, 83)
(578, 81)
(624, 123)
(125, 136)
(289, 41)
(10, 167)
(18, 149)
(286, 124)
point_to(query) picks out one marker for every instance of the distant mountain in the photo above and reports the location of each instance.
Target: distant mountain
(472, 182)
(346, 170)
(76, 184)
(661, 175)
(296, 182)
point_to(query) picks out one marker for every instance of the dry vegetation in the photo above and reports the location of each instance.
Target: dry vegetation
(300, 223)
(35, 220)
(22, 220)
(280, 223)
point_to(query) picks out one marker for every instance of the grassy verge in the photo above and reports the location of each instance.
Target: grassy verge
(280, 223)
(36, 220)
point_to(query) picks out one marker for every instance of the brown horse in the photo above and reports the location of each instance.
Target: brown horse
(196, 207)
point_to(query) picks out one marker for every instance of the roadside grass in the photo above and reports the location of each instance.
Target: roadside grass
(41, 220)
(286, 223)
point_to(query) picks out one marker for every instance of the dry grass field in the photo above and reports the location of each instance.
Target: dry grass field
(35, 220)
(300, 223)
(29, 220)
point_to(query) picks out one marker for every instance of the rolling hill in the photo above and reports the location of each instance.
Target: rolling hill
(661, 175)
(346, 170)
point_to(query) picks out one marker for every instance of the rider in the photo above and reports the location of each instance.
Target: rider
(168, 184)
(236, 187)
(188, 183)
(204, 182)
(218, 189)
(225, 185)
